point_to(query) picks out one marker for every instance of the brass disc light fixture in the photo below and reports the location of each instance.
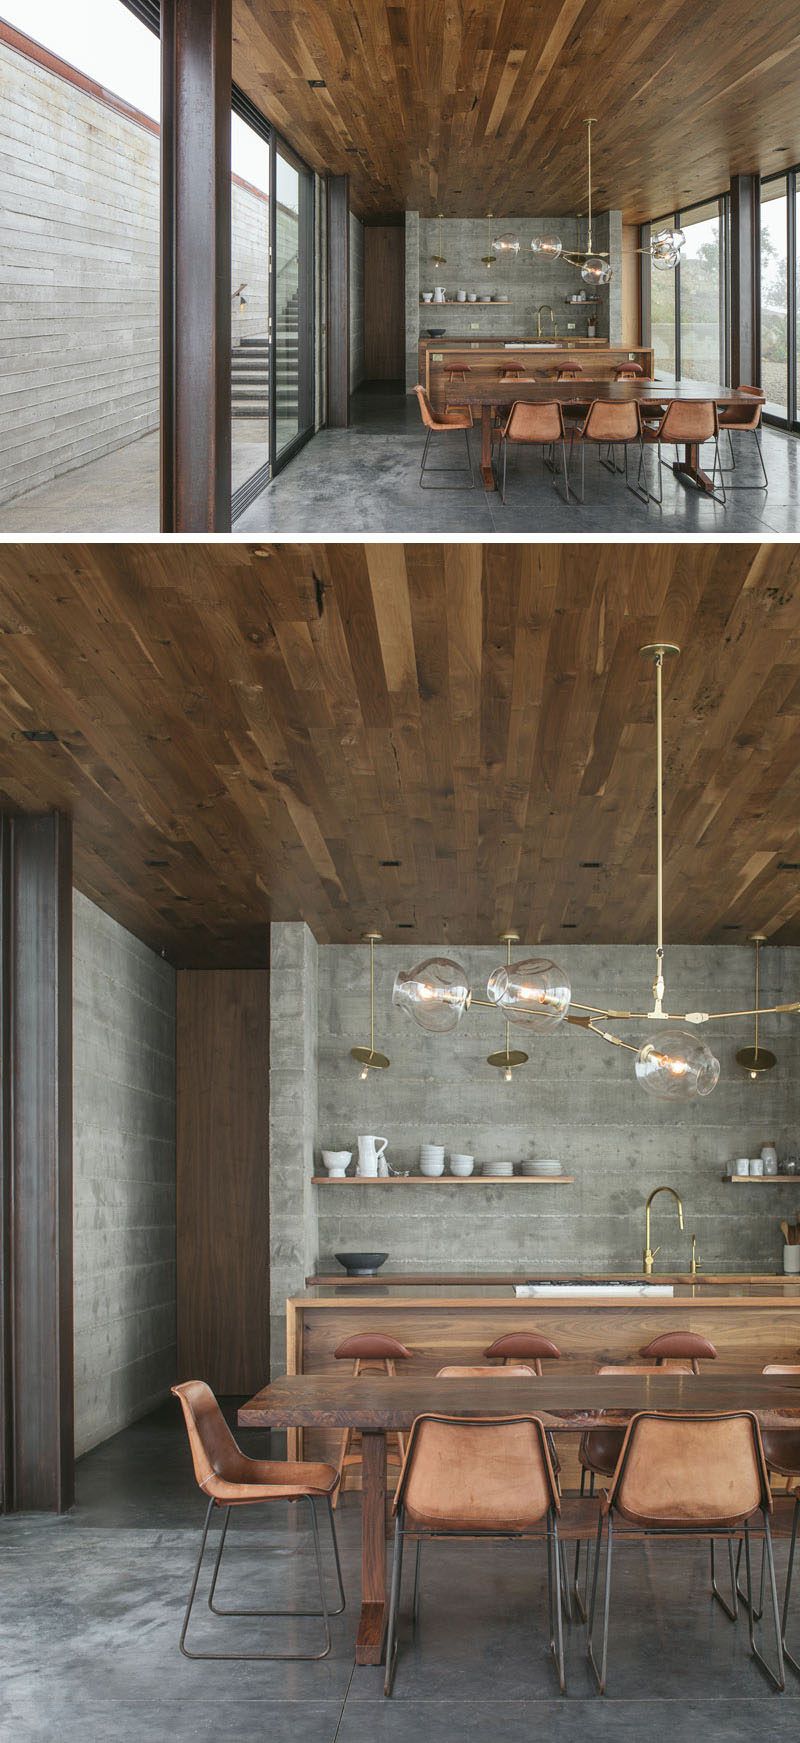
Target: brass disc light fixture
(367, 1057)
(755, 1060)
(489, 259)
(438, 258)
(673, 1063)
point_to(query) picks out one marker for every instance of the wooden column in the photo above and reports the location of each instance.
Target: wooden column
(196, 42)
(745, 208)
(223, 1196)
(338, 301)
(36, 961)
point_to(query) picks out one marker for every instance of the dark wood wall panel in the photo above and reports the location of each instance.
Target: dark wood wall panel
(223, 1204)
(384, 302)
(37, 1346)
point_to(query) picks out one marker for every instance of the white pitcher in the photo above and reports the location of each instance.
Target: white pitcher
(439, 293)
(370, 1156)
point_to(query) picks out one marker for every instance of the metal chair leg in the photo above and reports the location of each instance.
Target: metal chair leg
(260, 1657)
(219, 1610)
(600, 1675)
(582, 1600)
(566, 1603)
(394, 1601)
(795, 1663)
(564, 468)
(732, 1609)
(779, 1681)
(417, 1583)
(556, 1566)
(733, 467)
(424, 467)
(717, 467)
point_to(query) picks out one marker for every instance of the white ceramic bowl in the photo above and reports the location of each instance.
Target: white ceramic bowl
(336, 1162)
(461, 1166)
(431, 1169)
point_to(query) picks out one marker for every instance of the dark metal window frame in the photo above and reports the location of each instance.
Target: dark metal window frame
(791, 182)
(676, 218)
(149, 12)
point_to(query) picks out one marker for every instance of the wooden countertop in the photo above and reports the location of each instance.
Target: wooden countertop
(417, 1279)
(726, 1292)
(494, 342)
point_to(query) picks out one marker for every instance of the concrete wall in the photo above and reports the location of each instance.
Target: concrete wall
(526, 280)
(249, 263)
(577, 1100)
(292, 1120)
(357, 365)
(124, 1176)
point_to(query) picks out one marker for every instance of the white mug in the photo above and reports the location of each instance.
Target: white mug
(756, 1167)
(370, 1152)
(741, 1165)
(791, 1261)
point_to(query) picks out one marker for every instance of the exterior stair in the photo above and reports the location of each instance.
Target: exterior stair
(250, 369)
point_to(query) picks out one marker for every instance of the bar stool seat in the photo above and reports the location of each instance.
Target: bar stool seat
(523, 1346)
(478, 1369)
(570, 372)
(512, 373)
(458, 372)
(628, 372)
(680, 1346)
(372, 1352)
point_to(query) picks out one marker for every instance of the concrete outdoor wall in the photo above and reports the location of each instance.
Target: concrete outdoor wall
(576, 1100)
(124, 1176)
(79, 212)
(356, 302)
(526, 280)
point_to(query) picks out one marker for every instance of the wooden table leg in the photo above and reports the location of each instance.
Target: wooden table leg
(688, 469)
(486, 447)
(372, 1623)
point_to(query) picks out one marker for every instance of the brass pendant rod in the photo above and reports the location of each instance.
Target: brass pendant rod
(589, 153)
(757, 945)
(659, 986)
(372, 995)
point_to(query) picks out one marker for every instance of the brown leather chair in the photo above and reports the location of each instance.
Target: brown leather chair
(686, 421)
(700, 1476)
(476, 1477)
(523, 1346)
(443, 424)
(230, 1479)
(782, 1453)
(372, 1352)
(672, 1347)
(611, 425)
(530, 425)
(748, 423)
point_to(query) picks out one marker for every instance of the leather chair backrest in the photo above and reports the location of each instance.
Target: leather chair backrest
(691, 1470)
(427, 412)
(689, 420)
(535, 423)
(477, 1474)
(606, 421)
(213, 1448)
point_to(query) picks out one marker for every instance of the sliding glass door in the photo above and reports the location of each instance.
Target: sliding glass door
(272, 301)
(703, 349)
(779, 340)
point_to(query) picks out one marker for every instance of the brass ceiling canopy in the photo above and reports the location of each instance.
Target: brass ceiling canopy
(367, 1057)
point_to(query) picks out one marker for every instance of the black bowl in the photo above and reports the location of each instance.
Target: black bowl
(436, 332)
(361, 1264)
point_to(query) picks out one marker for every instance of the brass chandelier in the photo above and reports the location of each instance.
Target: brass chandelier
(592, 263)
(535, 994)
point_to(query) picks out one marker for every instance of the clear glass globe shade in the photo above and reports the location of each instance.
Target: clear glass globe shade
(676, 1066)
(506, 244)
(667, 239)
(595, 270)
(546, 247)
(435, 994)
(535, 993)
(666, 260)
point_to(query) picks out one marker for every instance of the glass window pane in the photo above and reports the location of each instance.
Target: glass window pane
(662, 309)
(249, 302)
(287, 296)
(702, 296)
(774, 303)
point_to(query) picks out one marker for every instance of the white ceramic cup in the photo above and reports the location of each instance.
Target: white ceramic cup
(791, 1261)
(756, 1168)
(741, 1165)
(336, 1162)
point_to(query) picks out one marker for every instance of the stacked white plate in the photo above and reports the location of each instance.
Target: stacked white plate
(541, 1170)
(461, 1166)
(431, 1160)
(498, 1170)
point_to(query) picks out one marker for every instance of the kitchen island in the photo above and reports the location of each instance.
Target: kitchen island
(539, 359)
(443, 1319)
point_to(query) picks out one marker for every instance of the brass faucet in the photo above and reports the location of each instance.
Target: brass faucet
(650, 1252)
(695, 1260)
(547, 309)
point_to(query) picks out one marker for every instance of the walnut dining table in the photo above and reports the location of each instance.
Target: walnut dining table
(579, 395)
(377, 1405)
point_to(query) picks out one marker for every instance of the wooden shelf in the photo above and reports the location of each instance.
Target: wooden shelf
(762, 1179)
(445, 1180)
(480, 303)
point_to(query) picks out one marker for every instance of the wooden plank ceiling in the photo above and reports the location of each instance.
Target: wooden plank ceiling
(440, 105)
(435, 740)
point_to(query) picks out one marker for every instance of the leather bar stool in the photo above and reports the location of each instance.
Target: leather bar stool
(476, 1477)
(703, 1476)
(570, 372)
(512, 373)
(458, 372)
(523, 1346)
(679, 1346)
(372, 1352)
(228, 1478)
(628, 372)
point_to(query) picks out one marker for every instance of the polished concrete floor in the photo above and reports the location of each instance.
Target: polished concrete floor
(366, 480)
(92, 1606)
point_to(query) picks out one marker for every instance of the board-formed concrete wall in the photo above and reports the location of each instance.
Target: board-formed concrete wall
(576, 1100)
(124, 1176)
(292, 1120)
(528, 281)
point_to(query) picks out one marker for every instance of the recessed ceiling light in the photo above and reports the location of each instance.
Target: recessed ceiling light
(591, 864)
(730, 926)
(156, 862)
(569, 925)
(40, 735)
(390, 862)
(317, 85)
(789, 865)
(405, 925)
